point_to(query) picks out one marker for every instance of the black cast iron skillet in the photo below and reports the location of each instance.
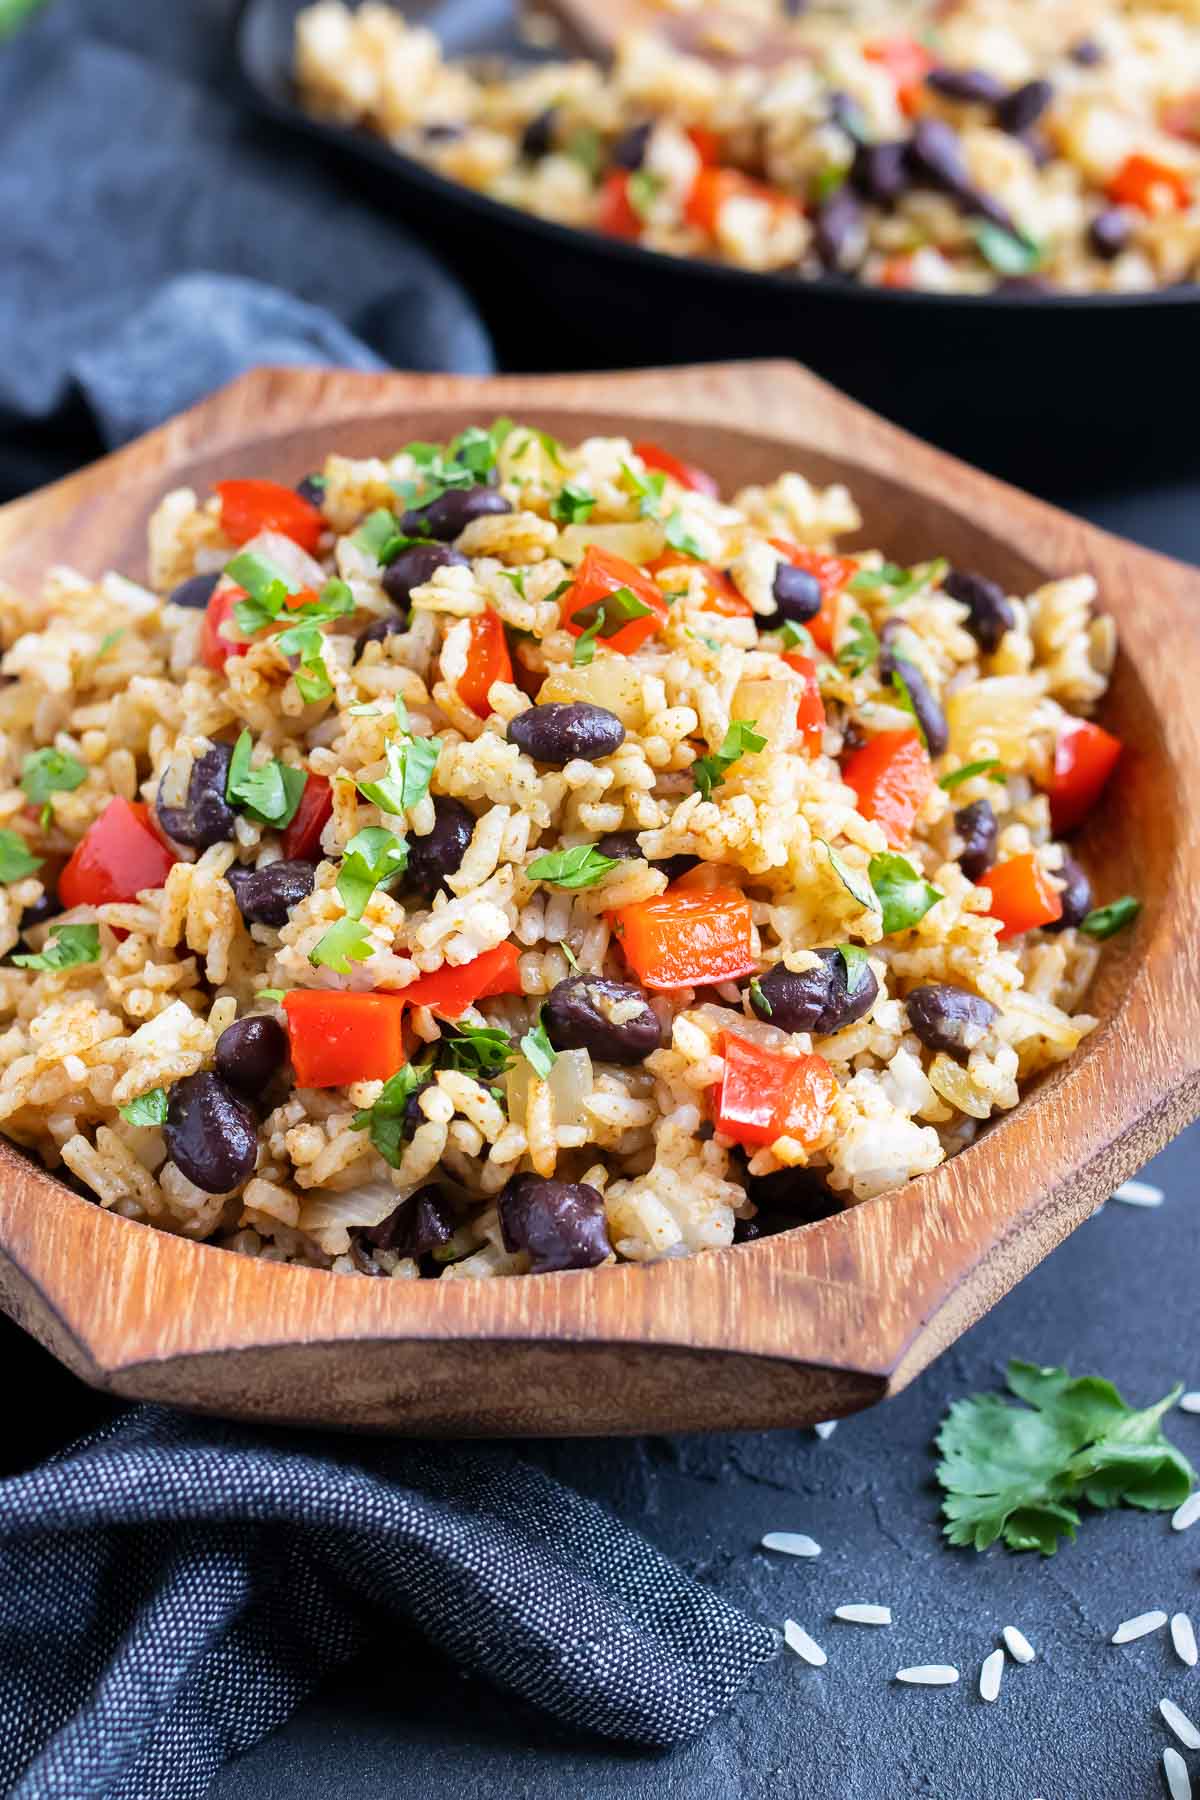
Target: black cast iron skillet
(1050, 390)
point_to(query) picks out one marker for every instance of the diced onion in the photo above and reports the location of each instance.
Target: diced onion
(639, 542)
(610, 681)
(368, 1204)
(570, 1082)
(772, 704)
(954, 1084)
(994, 717)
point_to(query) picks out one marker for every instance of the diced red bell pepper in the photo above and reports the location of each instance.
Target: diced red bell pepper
(1022, 897)
(892, 776)
(598, 576)
(302, 838)
(767, 1094)
(688, 475)
(340, 1038)
(248, 507)
(706, 143)
(687, 939)
(897, 271)
(810, 713)
(832, 572)
(449, 991)
(488, 660)
(220, 638)
(1085, 756)
(1181, 117)
(721, 597)
(713, 187)
(118, 856)
(1153, 186)
(908, 63)
(615, 215)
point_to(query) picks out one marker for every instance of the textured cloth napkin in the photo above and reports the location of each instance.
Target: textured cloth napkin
(170, 1588)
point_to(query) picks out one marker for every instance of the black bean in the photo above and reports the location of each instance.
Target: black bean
(266, 896)
(1076, 896)
(930, 716)
(629, 151)
(312, 489)
(442, 132)
(537, 139)
(976, 826)
(560, 1223)
(379, 630)
(1026, 287)
(48, 907)
(797, 594)
(250, 1053)
(745, 1231)
(206, 817)
(949, 1018)
(816, 999)
(675, 866)
(1038, 146)
(935, 151)
(881, 171)
(195, 592)
(415, 566)
(438, 854)
(558, 734)
(1024, 106)
(967, 85)
(801, 1196)
(452, 512)
(840, 231)
(623, 845)
(847, 115)
(211, 1135)
(1087, 53)
(576, 1017)
(1110, 232)
(990, 612)
(419, 1224)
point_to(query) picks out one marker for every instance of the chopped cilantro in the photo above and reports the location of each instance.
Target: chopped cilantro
(608, 616)
(797, 637)
(108, 642)
(148, 1109)
(680, 538)
(585, 643)
(851, 880)
(481, 1051)
(642, 190)
(759, 1001)
(344, 943)
(904, 896)
(585, 147)
(275, 994)
(46, 772)
(15, 859)
(709, 771)
(572, 504)
(857, 965)
(860, 649)
(271, 793)
(1103, 921)
(990, 767)
(647, 489)
(896, 585)
(516, 579)
(1020, 1475)
(373, 856)
(410, 762)
(903, 696)
(582, 866)
(69, 945)
(387, 1120)
(537, 1049)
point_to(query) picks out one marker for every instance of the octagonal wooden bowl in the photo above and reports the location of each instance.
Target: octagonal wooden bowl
(802, 1326)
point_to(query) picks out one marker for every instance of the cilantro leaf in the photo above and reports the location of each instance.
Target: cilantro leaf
(709, 771)
(759, 1001)
(609, 615)
(109, 641)
(387, 1120)
(69, 946)
(896, 585)
(642, 190)
(585, 147)
(267, 590)
(857, 966)
(582, 866)
(874, 581)
(680, 538)
(1008, 252)
(516, 580)
(904, 896)
(987, 767)
(269, 794)
(537, 1049)
(1103, 921)
(46, 772)
(572, 504)
(269, 994)
(647, 488)
(344, 943)
(373, 856)
(797, 637)
(410, 763)
(859, 650)
(15, 859)
(148, 1109)
(1019, 1474)
(851, 880)
(572, 959)
(585, 643)
(377, 533)
(482, 1051)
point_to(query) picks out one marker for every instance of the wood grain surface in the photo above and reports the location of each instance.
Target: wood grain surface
(801, 1326)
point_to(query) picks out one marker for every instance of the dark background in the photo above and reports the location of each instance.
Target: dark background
(1116, 1299)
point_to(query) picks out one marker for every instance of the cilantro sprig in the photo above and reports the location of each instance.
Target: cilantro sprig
(709, 772)
(269, 793)
(16, 862)
(148, 1109)
(537, 1049)
(46, 772)
(859, 650)
(581, 866)
(1019, 1474)
(69, 946)
(344, 943)
(373, 857)
(572, 505)
(904, 895)
(410, 765)
(387, 1120)
(605, 618)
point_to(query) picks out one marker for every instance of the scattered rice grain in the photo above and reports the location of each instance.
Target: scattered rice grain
(864, 1615)
(928, 1675)
(1178, 1781)
(1180, 1724)
(1139, 1193)
(797, 1639)
(1184, 1639)
(1188, 1513)
(1138, 1627)
(991, 1675)
(1019, 1646)
(791, 1543)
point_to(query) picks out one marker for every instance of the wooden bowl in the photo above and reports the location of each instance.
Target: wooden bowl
(817, 1321)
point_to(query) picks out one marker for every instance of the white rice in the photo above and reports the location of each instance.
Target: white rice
(1190, 1403)
(1019, 1646)
(1139, 1193)
(864, 1615)
(827, 1427)
(991, 1675)
(1188, 1513)
(1138, 1627)
(797, 1639)
(791, 1543)
(1180, 1724)
(928, 1675)
(1178, 1781)
(1184, 1639)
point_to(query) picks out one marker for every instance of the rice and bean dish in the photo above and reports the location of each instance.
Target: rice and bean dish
(957, 146)
(503, 857)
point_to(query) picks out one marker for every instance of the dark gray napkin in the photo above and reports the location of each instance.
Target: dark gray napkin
(125, 162)
(171, 1588)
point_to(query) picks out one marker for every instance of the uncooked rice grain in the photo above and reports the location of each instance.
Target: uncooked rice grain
(1180, 1724)
(806, 1647)
(991, 1675)
(791, 1543)
(928, 1675)
(1183, 1636)
(1141, 1626)
(1018, 1645)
